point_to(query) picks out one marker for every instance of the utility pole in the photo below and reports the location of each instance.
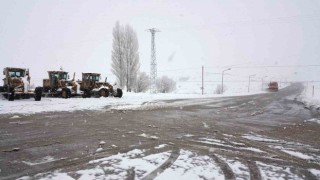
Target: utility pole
(249, 82)
(153, 64)
(222, 79)
(312, 90)
(202, 82)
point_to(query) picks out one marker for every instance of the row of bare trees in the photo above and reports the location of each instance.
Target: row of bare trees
(125, 62)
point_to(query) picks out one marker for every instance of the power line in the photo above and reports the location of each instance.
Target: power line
(180, 69)
(280, 20)
(279, 66)
(270, 66)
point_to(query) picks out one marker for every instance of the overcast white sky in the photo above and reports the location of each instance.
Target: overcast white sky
(77, 34)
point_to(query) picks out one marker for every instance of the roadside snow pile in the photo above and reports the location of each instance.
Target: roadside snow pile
(311, 96)
(131, 100)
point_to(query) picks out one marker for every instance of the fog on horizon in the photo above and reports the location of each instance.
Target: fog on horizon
(278, 39)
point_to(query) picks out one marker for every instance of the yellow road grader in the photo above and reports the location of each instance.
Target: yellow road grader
(58, 85)
(16, 85)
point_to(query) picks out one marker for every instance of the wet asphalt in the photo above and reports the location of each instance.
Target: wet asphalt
(72, 138)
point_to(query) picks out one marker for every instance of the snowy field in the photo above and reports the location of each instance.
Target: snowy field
(128, 101)
(311, 95)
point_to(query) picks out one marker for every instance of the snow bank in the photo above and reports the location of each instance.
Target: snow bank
(311, 95)
(128, 101)
(29, 106)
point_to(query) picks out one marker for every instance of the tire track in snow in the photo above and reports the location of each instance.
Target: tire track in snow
(173, 157)
(227, 171)
(254, 170)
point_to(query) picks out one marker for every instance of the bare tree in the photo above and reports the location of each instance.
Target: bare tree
(218, 89)
(118, 64)
(142, 83)
(125, 56)
(165, 85)
(131, 47)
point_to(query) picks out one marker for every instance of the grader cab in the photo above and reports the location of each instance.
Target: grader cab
(16, 84)
(91, 86)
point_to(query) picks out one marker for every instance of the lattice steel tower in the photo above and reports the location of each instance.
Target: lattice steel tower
(153, 70)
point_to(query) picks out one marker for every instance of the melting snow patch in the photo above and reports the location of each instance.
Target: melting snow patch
(57, 176)
(237, 143)
(24, 178)
(46, 159)
(228, 135)
(252, 149)
(298, 154)
(15, 117)
(275, 172)
(256, 137)
(191, 166)
(315, 172)
(312, 156)
(251, 102)
(161, 146)
(188, 135)
(205, 125)
(314, 120)
(20, 122)
(99, 149)
(213, 142)
(148, 136)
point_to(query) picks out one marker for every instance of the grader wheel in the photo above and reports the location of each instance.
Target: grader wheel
(104, 92)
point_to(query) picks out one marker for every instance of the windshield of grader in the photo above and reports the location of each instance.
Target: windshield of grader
(95, 77)
(64, 76)
(16, 73)
(91, 77)
(56, 75)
